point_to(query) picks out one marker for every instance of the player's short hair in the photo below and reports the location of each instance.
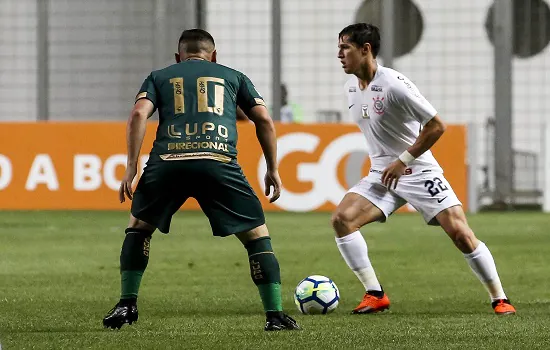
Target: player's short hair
(362, 33)
(195, 41)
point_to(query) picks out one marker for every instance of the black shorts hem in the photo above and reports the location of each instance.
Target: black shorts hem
(152, 222)
(238, 229)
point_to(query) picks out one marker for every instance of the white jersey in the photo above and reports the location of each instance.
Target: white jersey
(390, 112)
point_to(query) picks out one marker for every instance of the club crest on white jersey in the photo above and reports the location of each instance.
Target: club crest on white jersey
(378, 105)
(390, 112)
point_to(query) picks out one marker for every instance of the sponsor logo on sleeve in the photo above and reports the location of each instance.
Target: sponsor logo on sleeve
(141, 95)
(259, 101)
(409, 86)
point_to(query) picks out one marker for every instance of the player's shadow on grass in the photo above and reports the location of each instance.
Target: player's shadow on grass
(67, 329)
(26, 224)
(181, 310)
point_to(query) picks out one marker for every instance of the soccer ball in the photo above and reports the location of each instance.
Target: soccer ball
(316, 295)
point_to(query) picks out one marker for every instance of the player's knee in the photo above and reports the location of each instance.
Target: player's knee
(141, 225)
(463, 237)
(143, 233)
(255, 233)
(342, 222)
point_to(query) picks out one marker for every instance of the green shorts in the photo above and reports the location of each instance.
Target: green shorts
(221, 189)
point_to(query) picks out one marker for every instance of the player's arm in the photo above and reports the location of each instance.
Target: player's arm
(253, 106)
(265, 132)
(135, 129)
(241, 116)
(430, 133)
(406, 97)
(135, 133)
(415, 105)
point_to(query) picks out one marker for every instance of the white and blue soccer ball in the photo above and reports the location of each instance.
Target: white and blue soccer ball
(316, 295)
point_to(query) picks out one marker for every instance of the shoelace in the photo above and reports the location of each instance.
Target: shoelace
(290, 319)
(114, 308)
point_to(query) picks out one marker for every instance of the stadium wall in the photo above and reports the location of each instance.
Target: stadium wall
(452, 63)
(79, 165)
(100, 51)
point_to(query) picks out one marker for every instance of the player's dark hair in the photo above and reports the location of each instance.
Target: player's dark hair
(195, 41)
(362, 33)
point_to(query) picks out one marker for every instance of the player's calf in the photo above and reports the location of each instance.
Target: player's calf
(477, 255)
(454, 223)
(134, 257)
(265, 272)
(463, 237)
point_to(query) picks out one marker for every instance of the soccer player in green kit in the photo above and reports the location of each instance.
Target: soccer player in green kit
(194, 155)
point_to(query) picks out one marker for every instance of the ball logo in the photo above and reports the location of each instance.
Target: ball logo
(323, 174)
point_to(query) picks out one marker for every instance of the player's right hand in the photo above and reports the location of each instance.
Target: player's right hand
(272, 179)
(125, 189)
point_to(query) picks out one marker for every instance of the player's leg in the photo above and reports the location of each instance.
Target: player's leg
(153, 205)
(233, 208)
(134, 257)
(264, 267)
(478, 256)
(352, 213)
(432, 195)
(365, 203)
(266, 275)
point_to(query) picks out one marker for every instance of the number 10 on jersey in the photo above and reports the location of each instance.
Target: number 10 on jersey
(202, 95)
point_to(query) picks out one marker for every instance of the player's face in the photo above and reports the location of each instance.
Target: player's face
(351, 56)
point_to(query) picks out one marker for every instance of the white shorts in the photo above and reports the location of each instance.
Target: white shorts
(428, 192)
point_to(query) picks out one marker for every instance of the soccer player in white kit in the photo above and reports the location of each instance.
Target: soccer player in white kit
(400, 127)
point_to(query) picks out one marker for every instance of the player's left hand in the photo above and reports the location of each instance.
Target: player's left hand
(272, 179)
(392, 173)
(125, 189)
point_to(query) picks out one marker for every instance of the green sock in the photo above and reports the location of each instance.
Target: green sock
(129, 284)
(265, 272)
(271, 296)
(134, 257)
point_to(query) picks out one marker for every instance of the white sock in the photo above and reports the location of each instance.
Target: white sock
(482, 263)
(354, 251)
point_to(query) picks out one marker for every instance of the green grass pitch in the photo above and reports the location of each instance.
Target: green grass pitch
(59, 276)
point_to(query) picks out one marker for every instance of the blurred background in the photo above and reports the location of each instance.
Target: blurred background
(481, 63)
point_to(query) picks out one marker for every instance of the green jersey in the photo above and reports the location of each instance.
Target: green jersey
(197, 105)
